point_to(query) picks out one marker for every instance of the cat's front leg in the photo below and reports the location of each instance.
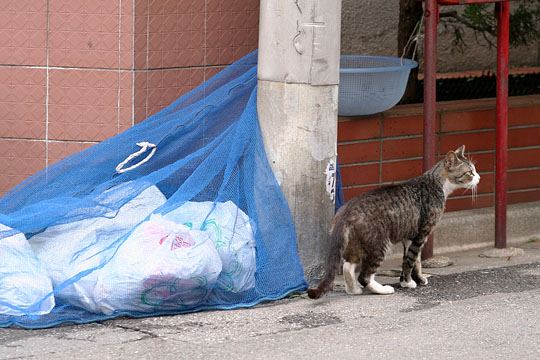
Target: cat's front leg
(406, 243)
(411, 251)
(417, 274)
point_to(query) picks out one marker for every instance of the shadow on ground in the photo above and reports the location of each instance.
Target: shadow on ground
(466, 285)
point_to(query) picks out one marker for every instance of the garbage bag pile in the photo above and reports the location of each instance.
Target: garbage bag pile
(180, 213)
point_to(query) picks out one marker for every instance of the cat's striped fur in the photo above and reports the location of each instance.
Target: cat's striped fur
(363, 229)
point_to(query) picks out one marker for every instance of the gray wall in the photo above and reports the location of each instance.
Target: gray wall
(369, 27)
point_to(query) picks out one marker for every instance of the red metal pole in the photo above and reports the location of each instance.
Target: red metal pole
(430, 111)
(501, 152)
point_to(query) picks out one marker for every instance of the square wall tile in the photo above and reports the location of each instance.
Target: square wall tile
(140, 33)
(169, 33)
(140, 95)
(85, 33)
(59, 150)
(18, 160)
(22, 102)
(83, 104)
(213, 70)
(165, 86)
(155, 89)
(187, 33)
(232, 30)
(23, 32)
(126, 38)
(126, 109)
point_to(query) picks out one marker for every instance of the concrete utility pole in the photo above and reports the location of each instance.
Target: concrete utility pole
(298, 71)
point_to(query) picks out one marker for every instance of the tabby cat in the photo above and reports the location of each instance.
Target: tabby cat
(363, 229)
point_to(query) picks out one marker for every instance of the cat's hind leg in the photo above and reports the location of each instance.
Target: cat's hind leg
(351, 284)
(369, 267)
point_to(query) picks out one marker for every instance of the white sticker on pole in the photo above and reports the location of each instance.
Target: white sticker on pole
(330, 173)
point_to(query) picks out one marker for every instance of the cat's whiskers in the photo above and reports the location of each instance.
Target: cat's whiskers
(474, 191)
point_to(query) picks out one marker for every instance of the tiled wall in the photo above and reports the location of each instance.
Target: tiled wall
(180, 43)
(388, 147)
(73, 73)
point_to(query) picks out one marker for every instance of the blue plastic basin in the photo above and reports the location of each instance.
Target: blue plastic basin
(371, 84)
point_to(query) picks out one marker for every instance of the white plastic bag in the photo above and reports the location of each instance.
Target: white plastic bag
(162, 265)
(25, 288)
(74, 249)
(231, 232)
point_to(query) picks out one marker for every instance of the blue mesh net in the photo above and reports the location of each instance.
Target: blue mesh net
(180, 213)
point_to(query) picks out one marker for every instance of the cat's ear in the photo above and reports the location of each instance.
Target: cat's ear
(460, 152)
(451, 160)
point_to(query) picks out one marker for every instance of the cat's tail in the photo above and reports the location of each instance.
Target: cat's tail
(337, 245)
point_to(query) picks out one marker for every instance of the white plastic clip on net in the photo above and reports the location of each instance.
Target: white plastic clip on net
(144, 147)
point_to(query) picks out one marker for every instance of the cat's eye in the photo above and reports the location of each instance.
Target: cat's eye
(468, 173)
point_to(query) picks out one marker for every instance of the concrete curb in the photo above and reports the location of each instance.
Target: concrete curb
(475, 229)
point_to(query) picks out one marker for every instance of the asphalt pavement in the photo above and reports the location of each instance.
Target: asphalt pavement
(478, 308)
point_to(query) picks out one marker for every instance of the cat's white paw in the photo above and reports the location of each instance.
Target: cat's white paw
(423, 280)
(354, 291)
(387, 290)
(377, 288)
(408, 284)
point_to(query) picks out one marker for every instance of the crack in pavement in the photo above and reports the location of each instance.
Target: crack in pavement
(147, 334)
